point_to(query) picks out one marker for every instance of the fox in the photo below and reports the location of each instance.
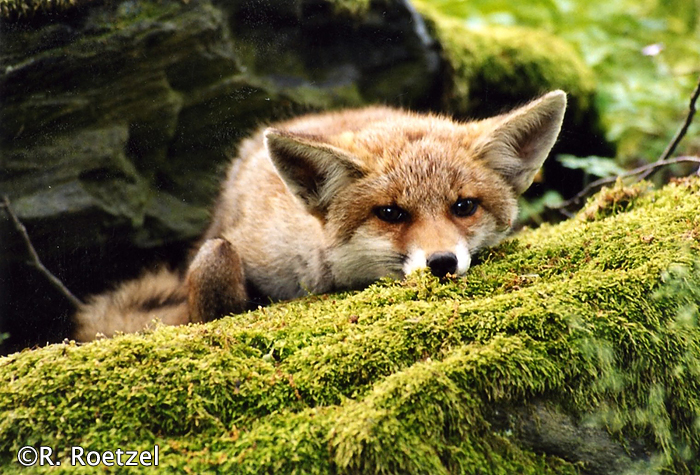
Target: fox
(338, 200)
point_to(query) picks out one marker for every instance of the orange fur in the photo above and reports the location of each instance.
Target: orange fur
(133, 306)
(340, 199)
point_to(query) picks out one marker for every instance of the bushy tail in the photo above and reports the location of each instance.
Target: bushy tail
(131, 307)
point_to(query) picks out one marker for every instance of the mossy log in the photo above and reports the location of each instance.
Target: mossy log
(572, 348)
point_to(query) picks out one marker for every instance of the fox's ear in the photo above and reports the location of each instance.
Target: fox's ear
(315, 172)
(518, 142)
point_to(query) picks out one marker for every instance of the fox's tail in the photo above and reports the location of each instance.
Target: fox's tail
(131, 307)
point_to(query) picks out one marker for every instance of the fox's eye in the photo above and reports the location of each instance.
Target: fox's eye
(464, 207)
(391, 214)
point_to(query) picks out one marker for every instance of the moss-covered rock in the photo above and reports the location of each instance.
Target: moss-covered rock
(487, 67)
(493, 64)
(572, 348)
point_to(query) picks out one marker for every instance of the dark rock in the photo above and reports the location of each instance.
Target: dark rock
(546, 429)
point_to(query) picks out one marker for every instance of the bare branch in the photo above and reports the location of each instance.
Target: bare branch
(35, 261)
(648, 169)
(681, 132)
(684, 129)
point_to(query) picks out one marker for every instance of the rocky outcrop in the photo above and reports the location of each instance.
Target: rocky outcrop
(117, 117)
(128, 109)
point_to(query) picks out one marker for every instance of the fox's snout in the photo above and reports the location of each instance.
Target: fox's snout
(440, 263)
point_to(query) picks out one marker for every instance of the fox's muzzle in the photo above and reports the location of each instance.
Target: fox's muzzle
(440, 263)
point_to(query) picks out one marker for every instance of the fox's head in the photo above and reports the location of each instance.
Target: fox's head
(397, 191)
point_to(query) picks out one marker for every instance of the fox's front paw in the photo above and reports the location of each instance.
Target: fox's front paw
(215, 282)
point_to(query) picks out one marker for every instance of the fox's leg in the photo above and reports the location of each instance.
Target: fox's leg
(215, 282)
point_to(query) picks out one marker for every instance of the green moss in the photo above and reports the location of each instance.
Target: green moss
(613, 200)
(23, 9)
(28, 8)
(588, 316)
(495, 65)
(10, 9)
(351, 7)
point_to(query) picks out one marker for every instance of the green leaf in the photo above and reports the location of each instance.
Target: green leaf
(593, 165)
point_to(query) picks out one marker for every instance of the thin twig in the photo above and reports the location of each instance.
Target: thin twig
(681, 132)
(648, 169)
(684, 129)
(35, 261)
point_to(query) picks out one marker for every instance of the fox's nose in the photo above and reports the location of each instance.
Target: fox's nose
(442, 263)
